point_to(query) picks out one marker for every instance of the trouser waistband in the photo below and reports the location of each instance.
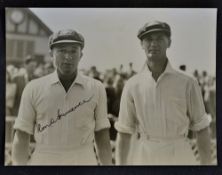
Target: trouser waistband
(159, 138)
(53, 148)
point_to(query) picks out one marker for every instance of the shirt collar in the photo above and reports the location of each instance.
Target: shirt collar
(55, 79)
(169, 69)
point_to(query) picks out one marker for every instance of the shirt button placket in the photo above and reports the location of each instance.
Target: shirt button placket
(65, 119)
(160, 109)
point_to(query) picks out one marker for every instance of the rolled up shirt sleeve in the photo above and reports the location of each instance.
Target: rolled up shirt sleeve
(196, 109)
(126, 121)
(101, 115)
(26, 115)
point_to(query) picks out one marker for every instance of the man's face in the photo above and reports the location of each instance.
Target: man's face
(66, 57)
(155, 46)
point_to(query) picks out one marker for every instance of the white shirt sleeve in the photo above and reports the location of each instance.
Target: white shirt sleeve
(26, 115)
(101, 115)
(127, 116)
(196, 109)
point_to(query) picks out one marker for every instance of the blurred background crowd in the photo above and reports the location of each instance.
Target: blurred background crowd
(113, 80)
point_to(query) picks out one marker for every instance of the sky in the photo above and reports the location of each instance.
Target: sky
(111, 35)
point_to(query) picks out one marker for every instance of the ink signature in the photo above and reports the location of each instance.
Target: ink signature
(59, 116)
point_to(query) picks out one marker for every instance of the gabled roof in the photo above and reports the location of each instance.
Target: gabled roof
(39, 21)
(31, 15)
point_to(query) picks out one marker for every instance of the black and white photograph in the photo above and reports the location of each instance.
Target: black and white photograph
(110, 86)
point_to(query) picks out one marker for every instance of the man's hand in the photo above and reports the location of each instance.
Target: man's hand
(204, 146)
(122, 148)
(20, 148)
(103, 146)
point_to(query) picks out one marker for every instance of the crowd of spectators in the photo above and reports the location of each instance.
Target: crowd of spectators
(17, 78)
(208, 88)
(113, 80)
